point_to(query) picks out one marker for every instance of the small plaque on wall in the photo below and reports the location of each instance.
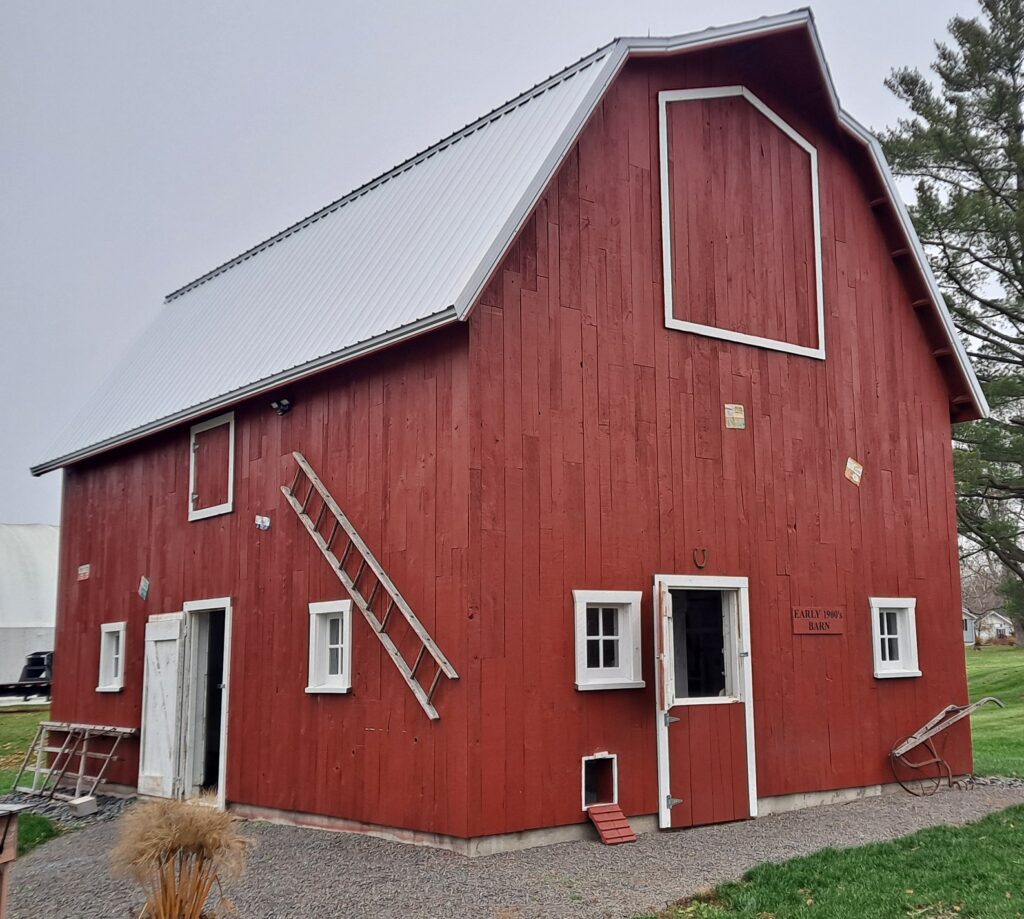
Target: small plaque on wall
(819, 620)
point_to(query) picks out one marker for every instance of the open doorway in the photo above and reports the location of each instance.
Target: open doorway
(205, 701)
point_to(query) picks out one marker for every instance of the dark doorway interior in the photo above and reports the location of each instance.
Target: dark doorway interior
(214, 693)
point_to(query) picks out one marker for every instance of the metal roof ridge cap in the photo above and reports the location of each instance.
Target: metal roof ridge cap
(748, 27)
(448, 140)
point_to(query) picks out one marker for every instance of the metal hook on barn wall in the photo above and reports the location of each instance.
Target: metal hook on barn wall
(700, 557)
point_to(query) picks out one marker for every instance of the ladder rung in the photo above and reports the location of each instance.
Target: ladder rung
(373, 593)
(359, 572)
(419, 657)
(309, 494)
(387, 614)
(334, 532)
(295, 481)
(433, 685)
(78, 752)
(319, 517)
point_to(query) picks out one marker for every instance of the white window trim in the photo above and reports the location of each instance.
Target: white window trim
(604, 754)
(671, 322)
(321, 683)
(630, 638)
(227, 506)
(116, 682)
(909, 662)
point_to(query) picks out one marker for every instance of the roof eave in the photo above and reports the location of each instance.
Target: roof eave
(404, 333)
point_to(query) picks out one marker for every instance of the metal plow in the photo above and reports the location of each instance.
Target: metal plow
(929, 769)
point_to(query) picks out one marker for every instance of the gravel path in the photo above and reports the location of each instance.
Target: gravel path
(304, 874)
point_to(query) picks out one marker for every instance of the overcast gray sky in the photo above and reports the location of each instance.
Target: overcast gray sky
(143, 143)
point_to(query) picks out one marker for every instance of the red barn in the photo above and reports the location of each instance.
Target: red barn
(599, 453)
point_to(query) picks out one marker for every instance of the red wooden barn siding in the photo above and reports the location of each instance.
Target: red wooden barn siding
(743, 230)
(389, 436)
(599, 458)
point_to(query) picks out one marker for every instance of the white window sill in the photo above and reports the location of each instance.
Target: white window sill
(705, 700)
(894, 674)
(611, 684)
(109, 688)
(215, 511)
(337, 690)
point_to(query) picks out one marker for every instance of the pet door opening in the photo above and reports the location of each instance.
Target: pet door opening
(600, 779)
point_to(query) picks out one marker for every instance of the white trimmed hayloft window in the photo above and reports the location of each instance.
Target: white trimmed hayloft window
(894, 636)
(111, 657)
(607, 639)
(330, 646)
(211, 470)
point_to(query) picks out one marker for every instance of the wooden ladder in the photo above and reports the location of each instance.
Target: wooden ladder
(370, 577)
(48, 774)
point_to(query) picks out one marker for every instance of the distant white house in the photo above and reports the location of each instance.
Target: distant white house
(994, 625)
(28, 593)
(970, 623)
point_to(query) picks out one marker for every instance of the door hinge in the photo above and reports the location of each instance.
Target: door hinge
(671, 802)
(670, 719)
(744, 654)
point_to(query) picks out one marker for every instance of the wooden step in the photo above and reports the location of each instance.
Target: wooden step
(612, 825)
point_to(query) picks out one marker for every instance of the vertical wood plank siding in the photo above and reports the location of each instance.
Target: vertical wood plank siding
(600, 458)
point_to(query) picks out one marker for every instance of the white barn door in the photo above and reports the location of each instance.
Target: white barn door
(161, 706)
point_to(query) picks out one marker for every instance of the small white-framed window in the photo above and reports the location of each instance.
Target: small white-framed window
(111, 677)
(894, 636)
(607, 639)
(330, 646)
(211, 469)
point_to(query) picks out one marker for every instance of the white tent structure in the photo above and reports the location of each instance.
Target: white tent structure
(28, 593)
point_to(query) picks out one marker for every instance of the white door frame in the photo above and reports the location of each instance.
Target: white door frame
(739, 587)
(189, 609)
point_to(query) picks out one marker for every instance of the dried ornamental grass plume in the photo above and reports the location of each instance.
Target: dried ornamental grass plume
(178, 853)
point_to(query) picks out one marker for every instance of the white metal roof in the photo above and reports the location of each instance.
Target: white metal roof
(28, 575)
(407, 252)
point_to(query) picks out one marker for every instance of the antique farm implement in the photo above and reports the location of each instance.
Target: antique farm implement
(927, 767)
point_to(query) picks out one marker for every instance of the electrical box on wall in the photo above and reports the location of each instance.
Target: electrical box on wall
(262, 523)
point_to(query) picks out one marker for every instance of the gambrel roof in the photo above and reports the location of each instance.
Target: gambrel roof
(407, 252)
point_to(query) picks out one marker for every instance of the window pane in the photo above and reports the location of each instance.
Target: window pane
(333, 661)
(611, 652)
(334, 630)
(593, 621)
(892, 622)
(698, 623)
(610, 615)
(894, 649)
(593, 653)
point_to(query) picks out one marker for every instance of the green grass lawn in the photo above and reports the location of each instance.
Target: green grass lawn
(17, 729)
(998, 732)
(975, 870)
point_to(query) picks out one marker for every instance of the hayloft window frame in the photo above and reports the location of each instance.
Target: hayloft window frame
(623, 635)
(112, 649)
(894, 637)
(666, 98)
(227, 506)
(322, 644)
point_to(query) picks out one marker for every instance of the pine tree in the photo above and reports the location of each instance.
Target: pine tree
(963, 149)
